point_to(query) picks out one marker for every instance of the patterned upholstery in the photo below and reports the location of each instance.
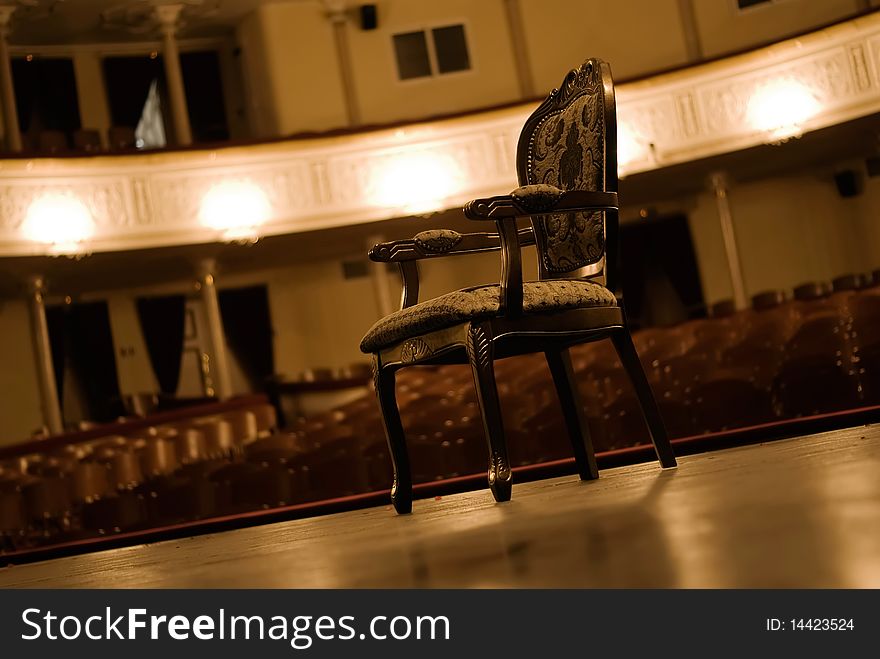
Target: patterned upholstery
(565, 148)
(437, 241)
(482, 302)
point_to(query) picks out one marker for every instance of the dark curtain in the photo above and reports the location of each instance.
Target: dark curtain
(162, 323)
(657, 258)
(55, 319)
(93, 358)
(128, 81)
(45, 94)
(248, 327)
(204, 96)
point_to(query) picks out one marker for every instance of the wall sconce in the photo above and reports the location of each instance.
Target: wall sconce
(59, 221)
(780, 108)
(236, 209)
(415, 183)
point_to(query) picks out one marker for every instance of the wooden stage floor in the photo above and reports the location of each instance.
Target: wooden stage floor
(802, 512)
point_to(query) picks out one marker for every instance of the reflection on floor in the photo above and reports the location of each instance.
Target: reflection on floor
(803, 512)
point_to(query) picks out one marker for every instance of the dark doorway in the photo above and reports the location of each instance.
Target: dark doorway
(128, 81)
(45, 95)
(659, 273)
(82, 340)
(204, 96)
(248, 326)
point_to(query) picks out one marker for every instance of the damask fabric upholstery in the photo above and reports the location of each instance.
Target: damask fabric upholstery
(567, 150)
(437, 241)
(480, 303)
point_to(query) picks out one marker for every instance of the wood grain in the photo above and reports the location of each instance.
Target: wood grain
(795, 513)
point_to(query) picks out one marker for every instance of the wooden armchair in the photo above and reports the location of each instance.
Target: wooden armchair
(567, 165)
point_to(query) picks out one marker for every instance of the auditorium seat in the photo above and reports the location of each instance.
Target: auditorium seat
(266, 418)
(121, 138)
(87, 141)
(158, 457)
(191, 445)
(121, 511)
(848, 282)
(727, 399)
(816, 374)
(864, 311)
(722, 309)
(52, 142)
(242, 426)
(47, 503)
(12, 519)
(90, 481)
(814, 351)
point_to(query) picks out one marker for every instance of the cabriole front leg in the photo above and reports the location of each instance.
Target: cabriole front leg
(401, 487)
(480, 353)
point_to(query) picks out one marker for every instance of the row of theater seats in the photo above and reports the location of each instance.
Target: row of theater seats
(167, 474)
(817, 352)
(813, 352)
(83, 141)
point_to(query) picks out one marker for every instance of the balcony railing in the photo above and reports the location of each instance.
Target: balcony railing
(102, 203)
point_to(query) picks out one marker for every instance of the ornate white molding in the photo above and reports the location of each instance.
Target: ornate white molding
(154, 199)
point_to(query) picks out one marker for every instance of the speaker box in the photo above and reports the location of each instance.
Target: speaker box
(848, 183)
(369, 17)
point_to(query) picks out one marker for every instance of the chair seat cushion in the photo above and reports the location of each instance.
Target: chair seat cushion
(480, 303)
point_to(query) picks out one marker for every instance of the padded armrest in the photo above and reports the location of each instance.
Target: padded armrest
(442, 242)
(539, 200)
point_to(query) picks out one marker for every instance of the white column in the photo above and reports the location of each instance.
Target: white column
(515, 26)
(220, 362)
(7, 89)
(94, 109)
(689, 29)
(167, 16)
(337, 12)
(43, 352)
(725, 218)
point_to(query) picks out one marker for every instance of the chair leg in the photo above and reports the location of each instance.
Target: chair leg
(559, 362)
(630, 360)
(480, 353)
(401, 487)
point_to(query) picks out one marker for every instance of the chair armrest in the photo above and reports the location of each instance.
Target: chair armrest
(433, 244)
(442, 242)
(539, 200)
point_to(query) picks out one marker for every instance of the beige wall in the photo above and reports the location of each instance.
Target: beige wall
(789, 230)
(132, 360)
(20, 412)
(259, 102)
(382, 97)
(723, 28)
(634, 37)
(287, 77)
(292, 69)
(94, 112)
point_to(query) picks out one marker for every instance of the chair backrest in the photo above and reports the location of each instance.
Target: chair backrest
(570, 142)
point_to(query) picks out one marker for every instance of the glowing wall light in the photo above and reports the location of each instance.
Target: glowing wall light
(236, 209)
(60, 221)
(780, 109)
(415, 183)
